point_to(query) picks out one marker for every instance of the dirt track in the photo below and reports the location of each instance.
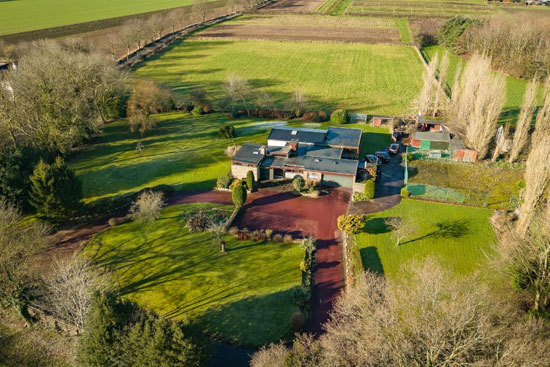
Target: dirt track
(297, 33)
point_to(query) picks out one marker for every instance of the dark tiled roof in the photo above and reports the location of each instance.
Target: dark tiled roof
(308, 136)
(249, 153)
(323, 152)
(344, 137)
(329, 165)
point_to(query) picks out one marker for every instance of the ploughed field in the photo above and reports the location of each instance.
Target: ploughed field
(293, 6)
(380, 79)
(419, 8)
(308, 28)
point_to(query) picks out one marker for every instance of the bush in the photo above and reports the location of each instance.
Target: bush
(197, 222)
(453, 29)
(351, 223)
(233, 230)
(258, 236)
(250, 180)
(224, 182)
(268, 234)
(147, 207)
(370, 188)
(226, 131)
(147, 98)
(238, 194)
(405, 192)
(298, 183)
(340, 117)
(197, 111)
(277, 237)
(112, 222)
(297, 321)
(287, 238)
(301, 297)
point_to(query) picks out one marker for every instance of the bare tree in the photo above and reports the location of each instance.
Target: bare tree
(19, 242)
(425, 99)
(521, 135)
(218, 229)
(298, 102)
(272, 355)
(181, 16)
(537, 170)
(155, 24)
(147, 207)
(501, 141)
(477, 103)
(135, 33)
(147, 98)
(70, 287)
(237, 88)
(201, 7)
(402, 228)
(440, 94)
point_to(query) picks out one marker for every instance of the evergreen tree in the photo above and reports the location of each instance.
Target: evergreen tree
(250, 180)
(238, 194)
(55, 190)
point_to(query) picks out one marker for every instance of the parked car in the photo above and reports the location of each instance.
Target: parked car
(394, 148)
(372, 159)
(385, 157)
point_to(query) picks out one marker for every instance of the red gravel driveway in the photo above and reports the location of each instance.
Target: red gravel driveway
(301, 216)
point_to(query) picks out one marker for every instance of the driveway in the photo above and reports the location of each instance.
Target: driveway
(302, 216)
(388, 189)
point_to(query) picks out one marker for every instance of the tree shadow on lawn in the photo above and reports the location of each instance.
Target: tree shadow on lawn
(371, 260)
(252, 321)
(447, 229)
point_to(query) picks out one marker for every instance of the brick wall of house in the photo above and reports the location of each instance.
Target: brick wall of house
(239, 171)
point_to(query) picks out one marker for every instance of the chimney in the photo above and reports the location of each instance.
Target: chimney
(262, 150)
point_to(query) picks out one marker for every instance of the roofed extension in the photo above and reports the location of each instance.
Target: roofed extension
(249, 153)
(305, 136)
(343, 137)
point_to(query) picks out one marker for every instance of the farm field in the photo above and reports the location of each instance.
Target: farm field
(27, 15)
(243, 297)
(368, 78)
(459, 236)
(292, 6)
(425, 8)
(515, 87)
(312, 28)
(478, 184)
(182, 151)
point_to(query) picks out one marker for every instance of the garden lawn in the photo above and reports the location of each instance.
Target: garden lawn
(243, 297)
(483, 185)
(459, 236)
(182, 151)
(515, 87)
(381, 79)
(27, 15)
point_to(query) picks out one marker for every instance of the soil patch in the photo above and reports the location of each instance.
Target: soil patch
(292, 6)
(291, 33)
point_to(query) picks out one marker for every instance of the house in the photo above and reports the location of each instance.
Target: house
(441, 144)
(325, 156)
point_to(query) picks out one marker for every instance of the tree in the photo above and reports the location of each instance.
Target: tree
(298, 102)
(525, 260)
(370, 189)
(218, 229)
(339, 117)
(147, 98)
(70, 287)
(55, 190)
(521, 135)
(500, 141)
(155, 24)
(201, 7)
(402, 228)
(351, 223)
(250, 180)
(440, 94)
(298, 183)
(19, 242)
(147, 207)
(425, 100)
(238, 194)
(238, 89)
(56, 98)
(477, 102)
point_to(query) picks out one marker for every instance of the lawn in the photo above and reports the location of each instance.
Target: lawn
(459, 236)
(482, 185)
(243, 297)
(361, 77)
(27, 15)
(515, 87)
(182, 151)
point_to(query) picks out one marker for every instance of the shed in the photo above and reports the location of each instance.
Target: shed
(424, 140)
(378, 120)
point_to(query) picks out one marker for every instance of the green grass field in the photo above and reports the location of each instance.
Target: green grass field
(370, 78)
(182, 151)
(27, 15)
(515, 87)
(458, 235)
(242, 297)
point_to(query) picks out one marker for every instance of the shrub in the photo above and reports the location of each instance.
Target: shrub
(226, 131)
(268, 234)
(370, 188)
(277, 237)
(147, 207)
(224, 181)
(258, 236)
(112, 222)
(287, 238)
(250, 180)
(405, 192)
(350, 223)
(297, 321)
(298, 183)
(231, 150)
(238, 195)
(340, 117)
(233, 230)
(454, 28)
(197, 222)
(301, 297)
(197, 111)
(242, 236)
